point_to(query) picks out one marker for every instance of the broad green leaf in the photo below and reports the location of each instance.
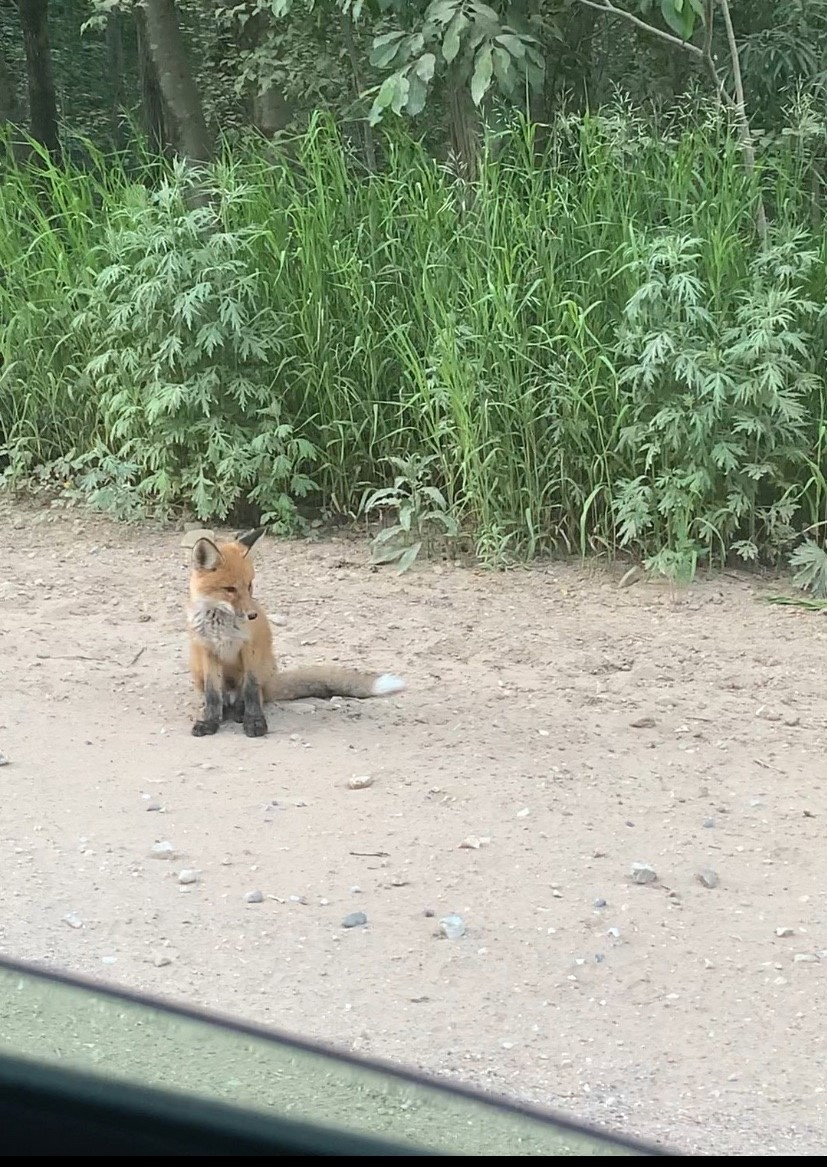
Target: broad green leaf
(408, 556)
(504, 69)
(400, 96)
(387, 555)
(512, 43)
(679, 16)
(385, 48)
(385, 97)
(424, 67)
(483, 71)
(442, 11)
(417, 95)
(453, 33)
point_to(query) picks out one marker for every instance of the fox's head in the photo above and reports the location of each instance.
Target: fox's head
(223, 574)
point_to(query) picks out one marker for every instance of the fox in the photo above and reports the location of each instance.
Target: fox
(232, 659)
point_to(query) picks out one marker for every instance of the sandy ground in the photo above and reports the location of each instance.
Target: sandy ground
(567, 726)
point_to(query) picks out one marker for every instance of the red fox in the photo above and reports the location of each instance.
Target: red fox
(231, 646)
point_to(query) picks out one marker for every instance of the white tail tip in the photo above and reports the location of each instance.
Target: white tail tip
(387, 684)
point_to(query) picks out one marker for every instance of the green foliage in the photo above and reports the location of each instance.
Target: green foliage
(717, 403)
(472, 43)
(185, 360)
(809, 564)
(592, 354)
(422, 516)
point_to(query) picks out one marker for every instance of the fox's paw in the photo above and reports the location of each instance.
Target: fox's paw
(205, 728)
(255, 726)
(386, 685)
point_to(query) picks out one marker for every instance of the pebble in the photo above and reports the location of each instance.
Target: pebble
(253, 897)
(354, 920)
(709, 823)
(153, 805)
(643, 723)
(4, 761)
(297, 899)
(73, 920)
(452, 926)
(187, 876)
(785, 931)
(108, 959)
(600, 902)
(643, 873)
(429, 912)
(707, 877)
(614, 933)
(360, 781)
(160, 960)
(805, 958)
(474, 842)
(162, 850)
(524, 813)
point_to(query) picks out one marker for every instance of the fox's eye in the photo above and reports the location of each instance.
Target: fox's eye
(231, 591)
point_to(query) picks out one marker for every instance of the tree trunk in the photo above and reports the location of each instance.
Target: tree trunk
(34, 22)
(152, 100)
(166, 46)
(115, 64)
(9, 108)
(464, 126)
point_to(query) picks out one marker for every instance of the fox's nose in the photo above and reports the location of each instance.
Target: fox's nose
(252, 615)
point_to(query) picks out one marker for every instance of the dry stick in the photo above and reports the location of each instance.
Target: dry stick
(747, 146)
(736, 104)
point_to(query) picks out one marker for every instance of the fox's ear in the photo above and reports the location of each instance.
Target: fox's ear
(248, 539)
(205, 555)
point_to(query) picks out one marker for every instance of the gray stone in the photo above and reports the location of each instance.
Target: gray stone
(187, 876)
(162, 850)
(707, 877)
(253, 897)
(452, 927)
(643, 873)
(354, 920)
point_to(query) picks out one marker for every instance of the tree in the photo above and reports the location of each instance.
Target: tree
(154, 114)
(175, 79)
(43, 124)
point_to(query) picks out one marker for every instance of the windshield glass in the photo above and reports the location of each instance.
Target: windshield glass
(73, 1026)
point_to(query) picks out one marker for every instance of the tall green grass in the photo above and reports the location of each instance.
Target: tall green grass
(591, 342)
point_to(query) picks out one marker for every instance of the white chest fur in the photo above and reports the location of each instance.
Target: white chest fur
(219, 627)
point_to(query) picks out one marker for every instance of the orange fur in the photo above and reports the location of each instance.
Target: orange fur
(232, 661)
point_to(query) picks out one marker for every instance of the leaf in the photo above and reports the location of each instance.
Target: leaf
(679, 16)
(400, 97)
(483, 71)
(408, 556)
(387, 554)
(387, 94)
(441, 11)
(512, 43)
(424, 67)
(453, 33)
(417, 95)
(385, 48)
(504, 70)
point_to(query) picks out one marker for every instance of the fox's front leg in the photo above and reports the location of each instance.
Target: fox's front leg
(209, 679)
(255, 723)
